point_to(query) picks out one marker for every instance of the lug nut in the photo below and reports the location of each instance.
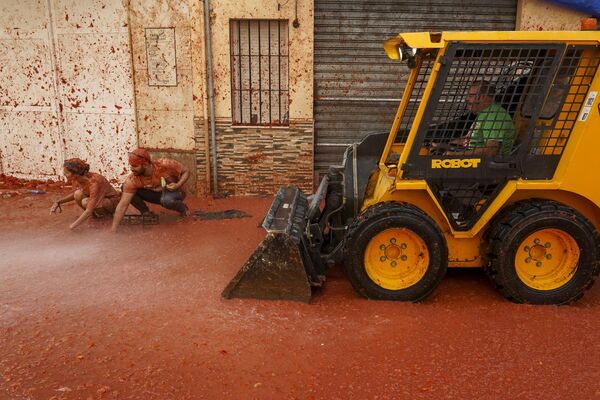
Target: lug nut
(536, 241)
(404, 258)
(528, 260)
(403, 246)
(382, 259)
(393, 240)
(393, 263)
(382, 247)
(526, 249)
(538, 264)
(549, 256)
(547, 245)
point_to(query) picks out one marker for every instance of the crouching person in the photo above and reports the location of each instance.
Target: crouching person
(93, 193)
(157, 181)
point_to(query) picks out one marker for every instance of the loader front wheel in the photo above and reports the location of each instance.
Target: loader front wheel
(395, 252)
(543, 252)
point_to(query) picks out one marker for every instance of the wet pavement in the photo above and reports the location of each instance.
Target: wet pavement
(138, 315)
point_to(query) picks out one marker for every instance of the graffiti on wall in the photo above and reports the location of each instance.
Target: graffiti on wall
(161, 53)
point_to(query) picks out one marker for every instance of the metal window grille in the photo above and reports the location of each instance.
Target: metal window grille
(259, 72)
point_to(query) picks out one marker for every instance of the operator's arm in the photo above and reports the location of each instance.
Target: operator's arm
(57, 203)
(491, 148)
(120, 210)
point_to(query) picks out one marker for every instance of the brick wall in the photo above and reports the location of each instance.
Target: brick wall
(256, 161)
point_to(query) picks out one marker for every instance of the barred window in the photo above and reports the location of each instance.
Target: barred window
(259, 72)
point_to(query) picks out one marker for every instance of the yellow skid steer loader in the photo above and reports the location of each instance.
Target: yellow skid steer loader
(490, 162)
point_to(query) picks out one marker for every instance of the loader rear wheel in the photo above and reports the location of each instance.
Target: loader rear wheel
(543, 252)
(395, 252)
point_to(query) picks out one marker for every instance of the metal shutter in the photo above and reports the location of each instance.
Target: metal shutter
(357, 88)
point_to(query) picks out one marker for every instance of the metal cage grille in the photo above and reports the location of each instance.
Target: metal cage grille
(416, 95)
(564, 101)
(508, 95)
(483, 91)
(496, 112)
(259, 72)
(463, 202)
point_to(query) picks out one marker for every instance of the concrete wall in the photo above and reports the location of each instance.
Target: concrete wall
(67, 88)
(165, 113)
(30, 141)
(173, 118)
(68, 70)
(542, 15)
(75, 81)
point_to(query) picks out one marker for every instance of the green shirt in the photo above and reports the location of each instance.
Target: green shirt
(493, 123)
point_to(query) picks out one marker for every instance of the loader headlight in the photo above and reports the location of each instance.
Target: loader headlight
(408, 54)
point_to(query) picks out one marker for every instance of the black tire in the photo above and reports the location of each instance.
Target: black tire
(379, 218)
(515, 225)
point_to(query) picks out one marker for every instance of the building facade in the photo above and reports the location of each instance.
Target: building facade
(295, 81)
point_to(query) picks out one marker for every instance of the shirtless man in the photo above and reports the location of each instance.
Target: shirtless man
(157, 181)
(92, 192)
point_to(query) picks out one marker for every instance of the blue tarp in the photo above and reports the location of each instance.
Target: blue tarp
(591, 7)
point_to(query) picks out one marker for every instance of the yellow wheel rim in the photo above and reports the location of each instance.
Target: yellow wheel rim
(396, 258)
(547, 259)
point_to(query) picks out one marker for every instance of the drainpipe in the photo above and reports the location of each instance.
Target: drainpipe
(57, 101)
(211, 94)
(205, 119)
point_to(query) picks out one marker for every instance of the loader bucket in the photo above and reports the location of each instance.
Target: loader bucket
(281, 267)
(273, 272)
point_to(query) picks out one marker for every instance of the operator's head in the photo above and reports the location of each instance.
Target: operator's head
(139, 160)
(480, 96)
(75, 167)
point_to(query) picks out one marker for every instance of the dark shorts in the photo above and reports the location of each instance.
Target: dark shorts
(167, 199)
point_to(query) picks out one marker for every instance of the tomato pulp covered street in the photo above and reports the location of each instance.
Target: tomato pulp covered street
(138, 314)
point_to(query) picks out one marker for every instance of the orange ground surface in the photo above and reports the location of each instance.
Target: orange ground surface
(138, 315)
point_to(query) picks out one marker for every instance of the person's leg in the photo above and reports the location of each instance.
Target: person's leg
(142, 195)
(80, 197)
(174, 201)
(98, 212)
(110, 204)
(106, 208)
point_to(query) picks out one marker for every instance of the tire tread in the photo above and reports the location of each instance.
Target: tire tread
(504, 225)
